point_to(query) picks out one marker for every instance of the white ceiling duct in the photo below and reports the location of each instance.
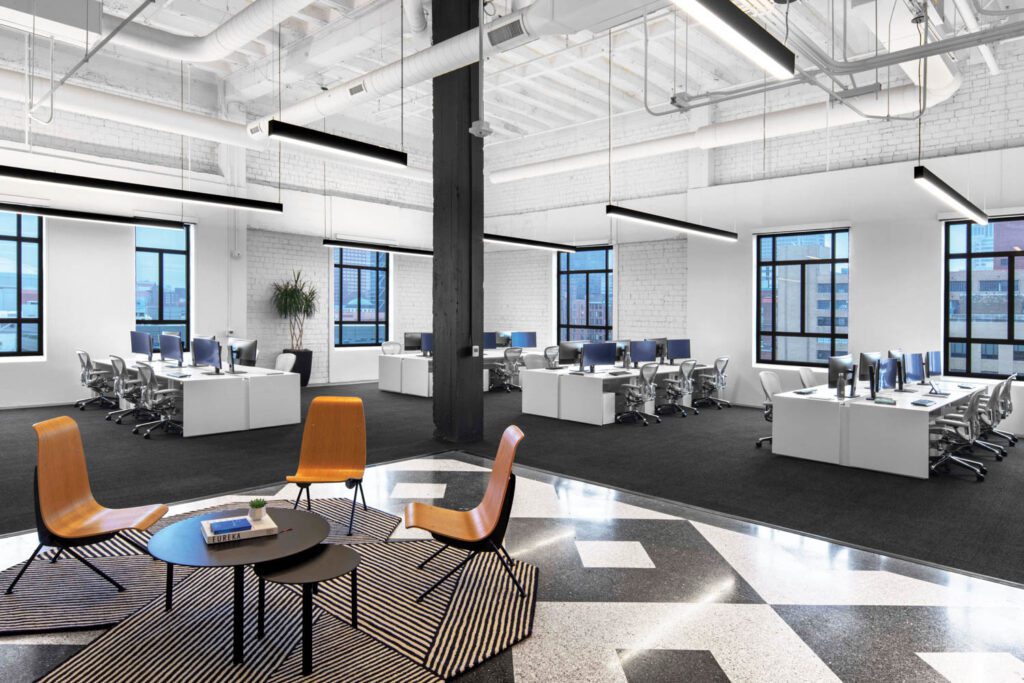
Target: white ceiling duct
(811, 117)
(233, 34)
(544, 17)
(134, 112)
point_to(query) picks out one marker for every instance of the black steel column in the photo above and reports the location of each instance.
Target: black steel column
(458, 239)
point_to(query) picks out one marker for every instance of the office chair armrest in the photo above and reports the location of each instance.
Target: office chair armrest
(959, 424)
(168, 393)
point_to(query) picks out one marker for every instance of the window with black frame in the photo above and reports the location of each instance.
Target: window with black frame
(162, 282)
(360, 297)
(585, 291)
(984, 322)
(803, 297)
(21, 285)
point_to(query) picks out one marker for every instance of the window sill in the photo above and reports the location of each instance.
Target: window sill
(23, 359)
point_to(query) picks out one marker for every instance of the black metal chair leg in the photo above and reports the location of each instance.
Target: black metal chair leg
(261, 608)
(362, 494)
(139, 546)
(90, 565)
(508, 570)
(56, 555)
(424, 562)
(10, 589)
(352, 514)
(444, 578)
(169, 597)
(297, 499)
(309, 502)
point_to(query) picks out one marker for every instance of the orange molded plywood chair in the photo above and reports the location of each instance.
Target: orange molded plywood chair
(67, 515)
(481, 529)
(333, 448)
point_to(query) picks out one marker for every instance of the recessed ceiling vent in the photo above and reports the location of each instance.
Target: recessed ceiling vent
(357, 88)
(506, 32)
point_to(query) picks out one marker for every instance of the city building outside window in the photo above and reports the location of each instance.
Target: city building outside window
(585, 294)
(21, 285)
(360, 297)
(162, 282)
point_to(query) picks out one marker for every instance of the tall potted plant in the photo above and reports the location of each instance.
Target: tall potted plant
(296, 300)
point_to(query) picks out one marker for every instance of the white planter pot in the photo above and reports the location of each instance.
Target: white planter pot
(256, 514)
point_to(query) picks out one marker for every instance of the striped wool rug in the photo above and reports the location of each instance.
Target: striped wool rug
(473, 616)
(41, 600)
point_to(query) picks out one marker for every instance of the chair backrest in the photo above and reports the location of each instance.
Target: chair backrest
(686, 369)
(86, 363)
(513, 355)
(551, 355)
(720, 364)
(770, 384)
(534, 361)
(390, 348)
(149, 383)
(62, 482)
(120, 369)
(1007, 396)
(648, 371)
(487, 514)
(971, 416)
(334, 435)
(994, 408)
(285, 362)
(807, 378)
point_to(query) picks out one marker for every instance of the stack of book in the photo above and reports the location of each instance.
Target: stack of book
(237, 529)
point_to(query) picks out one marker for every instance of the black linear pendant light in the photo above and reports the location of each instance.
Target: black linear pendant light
(89, 216)
(376, 246)
(532, 244)
(936, 186)
(670, 223)
(84, 182)
(335, 144)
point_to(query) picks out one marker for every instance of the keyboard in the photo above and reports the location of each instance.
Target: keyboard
(179, 375)
(618, 373)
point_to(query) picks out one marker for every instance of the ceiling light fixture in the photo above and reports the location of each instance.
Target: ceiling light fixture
(532, 244)
(935, 185)
(335, 144)
(48, 177)
(670, 223)
(89, 216)
(738, 30)
(376, 246)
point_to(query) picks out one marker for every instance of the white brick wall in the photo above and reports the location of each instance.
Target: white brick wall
(650, 289)
(412, 292)
(274, 256)
(519, 292)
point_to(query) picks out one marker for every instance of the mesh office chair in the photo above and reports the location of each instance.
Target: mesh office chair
(955, 434)
(807, 378)
(126, 388)
(676, 390)
(990, 414)
(391, 348)
(506, 376)
(771, 385)
(637, 395)
(714, 385)
(534, 361)
(164, 404)
(1006, 408)
(285, 362)
(99, 382)
(551, 356)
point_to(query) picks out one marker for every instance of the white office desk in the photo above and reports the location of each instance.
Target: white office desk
(213, 404)
(590, 398)
(412, 373)
(857, 432)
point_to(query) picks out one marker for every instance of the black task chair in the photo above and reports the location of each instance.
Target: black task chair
(771, 385)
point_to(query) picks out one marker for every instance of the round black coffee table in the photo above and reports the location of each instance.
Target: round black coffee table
(182, 543)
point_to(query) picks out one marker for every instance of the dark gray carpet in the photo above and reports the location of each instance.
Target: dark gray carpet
(707, 460)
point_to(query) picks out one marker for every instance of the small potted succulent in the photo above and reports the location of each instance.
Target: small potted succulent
(257, 508)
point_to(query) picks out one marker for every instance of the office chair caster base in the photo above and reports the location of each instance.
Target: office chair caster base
(763, 439)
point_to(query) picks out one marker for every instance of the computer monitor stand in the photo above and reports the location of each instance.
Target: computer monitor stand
(232, 370)
(871, 381)
(901, 378)
(215, 371)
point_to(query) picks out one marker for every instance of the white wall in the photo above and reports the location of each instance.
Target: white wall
(519, 292)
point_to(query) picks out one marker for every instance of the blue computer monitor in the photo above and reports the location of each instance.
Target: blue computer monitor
(524, 340)
(914, 367)
(934, 363)
(142, 343)
(677, 348)
(172, 349)
(503, 338)
(600, 353)
(206, 352)
(643, 351)
(427, 343)
(887, 370)
(490, 340)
